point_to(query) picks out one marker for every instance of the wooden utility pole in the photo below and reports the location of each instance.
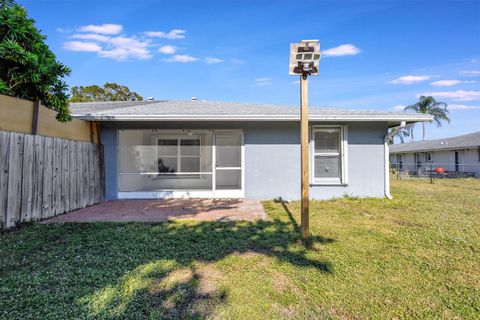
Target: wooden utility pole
(305, 215)
(304, 61)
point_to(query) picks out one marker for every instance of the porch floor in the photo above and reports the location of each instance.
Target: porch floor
(158, 210)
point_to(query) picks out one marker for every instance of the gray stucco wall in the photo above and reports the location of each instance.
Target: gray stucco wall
(272, 158)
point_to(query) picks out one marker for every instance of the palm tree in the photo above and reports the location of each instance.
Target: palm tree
(428, 105)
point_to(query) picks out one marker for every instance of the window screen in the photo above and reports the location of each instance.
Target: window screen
(327, 161)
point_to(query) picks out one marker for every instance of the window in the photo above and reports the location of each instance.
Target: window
(328, 150)
(418, 160)
(400, 161)
(428, 157)
(178, 155)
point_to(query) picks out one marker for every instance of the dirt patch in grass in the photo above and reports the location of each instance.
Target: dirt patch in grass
(209, 279)
(283, 283)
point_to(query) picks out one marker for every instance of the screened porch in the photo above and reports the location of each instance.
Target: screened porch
(157, 163)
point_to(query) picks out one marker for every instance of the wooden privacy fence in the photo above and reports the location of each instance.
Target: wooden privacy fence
(42, 177)
(25, 116)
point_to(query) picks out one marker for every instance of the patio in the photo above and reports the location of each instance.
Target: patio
(159, 210)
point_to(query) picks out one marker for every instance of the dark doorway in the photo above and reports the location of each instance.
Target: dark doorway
(457, 162)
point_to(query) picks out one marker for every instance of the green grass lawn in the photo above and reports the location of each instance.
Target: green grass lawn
(417, 256)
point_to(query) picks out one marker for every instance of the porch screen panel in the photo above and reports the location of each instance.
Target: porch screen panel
(228, 161)
(162, 160)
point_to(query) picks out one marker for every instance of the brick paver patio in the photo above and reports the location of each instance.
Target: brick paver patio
(166, 209)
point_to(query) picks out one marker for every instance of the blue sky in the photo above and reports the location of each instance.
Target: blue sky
(378, 55)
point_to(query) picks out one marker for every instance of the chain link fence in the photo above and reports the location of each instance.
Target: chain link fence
(420, 170)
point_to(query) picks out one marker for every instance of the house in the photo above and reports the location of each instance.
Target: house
(157, 149)
(460, 155)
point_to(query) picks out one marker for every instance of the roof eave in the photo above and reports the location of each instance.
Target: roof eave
(328, 118)
(435, 149)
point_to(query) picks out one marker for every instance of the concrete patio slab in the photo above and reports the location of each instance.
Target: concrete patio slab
(166, 209)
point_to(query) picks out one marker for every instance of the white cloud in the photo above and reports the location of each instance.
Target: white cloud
(184, 58)
(265, 81)
(445, 83)
(462, 107)
(343, 50)
(210, 60)
(82, 46)
(118, 47)
(91, 36)
(459, 95)
(399, 108)
(471, 73)
(173, 34)
(107, 28)
(123, 48)
(449, 83)
(295, 82)
(409, 79)
(167, 49)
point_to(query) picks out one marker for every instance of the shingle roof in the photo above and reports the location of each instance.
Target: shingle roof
(471, 140)
(210, 110)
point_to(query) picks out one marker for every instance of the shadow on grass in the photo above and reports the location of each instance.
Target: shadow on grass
(135, 270)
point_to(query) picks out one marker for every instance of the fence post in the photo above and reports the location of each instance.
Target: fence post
(36, 110)
(431, 173)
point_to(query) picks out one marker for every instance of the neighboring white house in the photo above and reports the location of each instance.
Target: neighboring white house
(459, 154)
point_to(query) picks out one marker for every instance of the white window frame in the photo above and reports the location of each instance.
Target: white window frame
(178, 156)
(343, 179)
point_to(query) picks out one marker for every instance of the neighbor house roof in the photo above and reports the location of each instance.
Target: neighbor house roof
(196, 110)
(471, 140)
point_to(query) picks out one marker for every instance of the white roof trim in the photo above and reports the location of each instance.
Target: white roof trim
(157, 117)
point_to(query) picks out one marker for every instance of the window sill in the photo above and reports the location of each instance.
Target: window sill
(328, 183)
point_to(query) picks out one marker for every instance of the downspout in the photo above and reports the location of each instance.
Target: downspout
(387, 138)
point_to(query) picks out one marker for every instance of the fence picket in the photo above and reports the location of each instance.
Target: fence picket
(65, 185)
(27, 178)
(14, 180)
(80, 165)
(86, 193)
(4, 154)
(73, 176)
(47, 178)
(38, 167)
